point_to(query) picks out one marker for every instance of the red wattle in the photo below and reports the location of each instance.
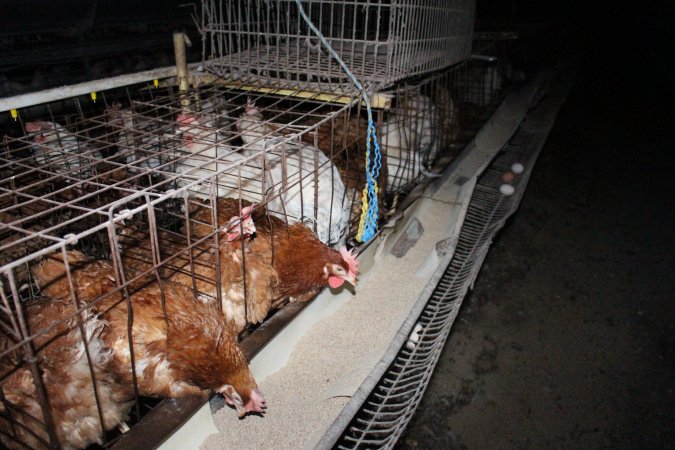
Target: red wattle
(335, 282)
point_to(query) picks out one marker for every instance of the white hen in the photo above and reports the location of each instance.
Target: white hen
(58, 150)
(308, 184)
(137, 137)
(411, 138)
(207, 154)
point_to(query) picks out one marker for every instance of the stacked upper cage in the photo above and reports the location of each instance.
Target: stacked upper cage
(346, 47)
(381, 41)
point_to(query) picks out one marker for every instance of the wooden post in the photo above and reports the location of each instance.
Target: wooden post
(181, 68)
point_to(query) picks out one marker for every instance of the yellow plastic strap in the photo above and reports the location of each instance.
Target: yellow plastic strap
(14, 113)
(93, 96)
(364, 212)
(155, 83)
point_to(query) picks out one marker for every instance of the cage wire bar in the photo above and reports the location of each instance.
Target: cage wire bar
(382, 418)
(381, 41)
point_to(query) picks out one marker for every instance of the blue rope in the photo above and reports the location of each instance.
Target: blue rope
(372, 172)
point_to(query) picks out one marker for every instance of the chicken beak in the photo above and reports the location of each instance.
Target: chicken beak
(257, 403)
(351, 279)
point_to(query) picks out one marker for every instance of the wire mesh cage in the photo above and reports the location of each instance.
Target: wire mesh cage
(151, 202)
(433, 116)
(380, 41)
(417, 130)
(119, 218)
(491, 74)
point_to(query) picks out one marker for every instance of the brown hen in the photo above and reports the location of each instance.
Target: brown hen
(189, 350)
(243, 299)
(303, 264)
(67, 378)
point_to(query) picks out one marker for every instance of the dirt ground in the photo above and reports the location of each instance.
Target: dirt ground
(568, 339)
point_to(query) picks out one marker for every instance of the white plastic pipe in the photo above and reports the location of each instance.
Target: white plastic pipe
(63, 92)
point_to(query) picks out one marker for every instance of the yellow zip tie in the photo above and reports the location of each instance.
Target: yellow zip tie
(155, 83)
(364, 212)
(93, 96)
(14, 113)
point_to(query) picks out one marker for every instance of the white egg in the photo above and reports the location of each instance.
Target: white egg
(517, 168)
(507, 189)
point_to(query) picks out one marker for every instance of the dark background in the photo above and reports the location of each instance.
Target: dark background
(51, 43)
(567, 341)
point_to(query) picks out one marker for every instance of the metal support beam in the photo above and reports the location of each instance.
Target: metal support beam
(63, 92)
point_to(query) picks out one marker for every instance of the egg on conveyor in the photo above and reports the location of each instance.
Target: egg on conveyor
(507, 189)
(517, 168)
(508, 177)
(414, 337)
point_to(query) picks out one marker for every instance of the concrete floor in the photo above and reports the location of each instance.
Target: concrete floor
(568, 339)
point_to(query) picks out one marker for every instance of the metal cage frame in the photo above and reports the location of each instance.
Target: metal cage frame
(268, 43)
(109, 175)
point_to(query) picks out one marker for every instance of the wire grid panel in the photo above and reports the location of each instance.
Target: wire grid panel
(420, 128)
(381, 41)
(131, 184)
(386, 412)
(156, 143)
(56, 377)
(276, 151)
(116, 179)
(60, 192)
(491, 74)
(432, 117)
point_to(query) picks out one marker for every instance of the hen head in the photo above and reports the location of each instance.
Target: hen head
(187, 125)
(232, 228)
(39, 130)
(251, 124)
(345, 270)
(255, 404)
(250, 109)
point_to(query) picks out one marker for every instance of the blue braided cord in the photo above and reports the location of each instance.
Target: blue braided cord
(372, 173)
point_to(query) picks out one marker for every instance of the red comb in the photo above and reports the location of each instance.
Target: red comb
(245, 212)
(186, 119)
(250, 107)
(32, 127)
